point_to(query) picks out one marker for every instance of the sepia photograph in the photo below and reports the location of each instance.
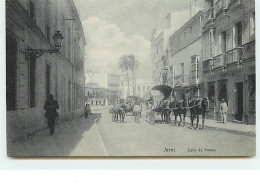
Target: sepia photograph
(130, 78)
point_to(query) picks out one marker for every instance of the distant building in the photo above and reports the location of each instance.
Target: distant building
(113, 85)
(96, 96)
(143, 87)
(97, 77)
(31, 77)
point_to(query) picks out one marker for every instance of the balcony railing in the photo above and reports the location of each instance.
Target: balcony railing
(234, 55)
(207, 65)
(209, 16)
(219, 60)
(249, 50)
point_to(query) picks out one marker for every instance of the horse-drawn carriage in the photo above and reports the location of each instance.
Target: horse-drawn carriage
(170, 106)
(119, 111)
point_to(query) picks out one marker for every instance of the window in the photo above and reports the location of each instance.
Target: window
(31, 9)
(197, 68)
(224, 41)
(48, 82)
(194, 67)
(239, 33)
(173, 74)
(69, 43)
(69, 94)
(11, 66)
(252, 25)
(182, 72)
(211, 91)
(47, 20)
(32, 79)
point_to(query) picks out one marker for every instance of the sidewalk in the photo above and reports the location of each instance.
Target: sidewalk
(230, 127)
(91, 143)
(78, 137)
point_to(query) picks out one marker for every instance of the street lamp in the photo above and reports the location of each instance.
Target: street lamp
(35, 53)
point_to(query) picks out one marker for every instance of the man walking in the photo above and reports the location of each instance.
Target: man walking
(87, 110)
(137, 110)
(223, 111)
(50, 106)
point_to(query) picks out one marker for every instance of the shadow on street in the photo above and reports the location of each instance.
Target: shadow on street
(65, 138)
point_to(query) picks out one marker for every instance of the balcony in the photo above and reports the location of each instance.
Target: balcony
(249, 50)
(234, 55)
(209, 16)
(181, 80)
(219, 60)
(207, 65)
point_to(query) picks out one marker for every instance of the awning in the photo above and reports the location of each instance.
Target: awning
(166, 90)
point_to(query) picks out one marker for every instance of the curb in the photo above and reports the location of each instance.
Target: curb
(250, 133)
(96, 120)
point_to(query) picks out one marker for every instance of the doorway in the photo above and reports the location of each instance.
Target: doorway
(11, 74)
(239, 87)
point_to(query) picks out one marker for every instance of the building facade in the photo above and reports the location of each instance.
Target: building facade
(114, 88)
(96, 96)
(143, 87)
(229, 56)
(31, 24)
(184, 59)
(160, 42)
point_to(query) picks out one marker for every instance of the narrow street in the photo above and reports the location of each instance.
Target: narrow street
(102, 137)
(143, 139)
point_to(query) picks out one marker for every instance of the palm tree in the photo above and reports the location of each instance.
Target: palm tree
(133, 66)
(124, 65)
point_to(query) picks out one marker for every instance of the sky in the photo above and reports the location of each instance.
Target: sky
(116, 27)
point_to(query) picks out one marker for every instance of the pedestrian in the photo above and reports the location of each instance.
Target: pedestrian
(148, 111)
(141, 110)
(223, 111)
(50, 106)
(86, 110)
(137, 110)
(152, 114)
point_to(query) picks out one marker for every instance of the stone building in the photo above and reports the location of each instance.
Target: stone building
(114, 88)
(160, 42)
(143, 87)
(96, 96)
(32, 76)
(229, 56)
(184, 58)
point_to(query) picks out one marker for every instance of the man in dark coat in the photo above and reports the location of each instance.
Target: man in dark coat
(50, 106)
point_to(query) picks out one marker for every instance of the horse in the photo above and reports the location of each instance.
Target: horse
(198, 107)
(118, 113)
(128, 107)
(179, 108)
(164, 110)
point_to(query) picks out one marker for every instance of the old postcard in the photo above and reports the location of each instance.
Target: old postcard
(130, 78)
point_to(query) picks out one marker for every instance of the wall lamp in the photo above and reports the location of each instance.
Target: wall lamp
(35, 53)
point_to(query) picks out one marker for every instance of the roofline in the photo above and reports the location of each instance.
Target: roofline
(188, 22)
(75, 12)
